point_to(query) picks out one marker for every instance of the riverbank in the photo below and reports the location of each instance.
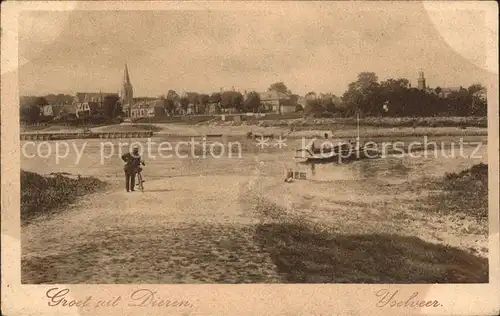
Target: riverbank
(298, 128)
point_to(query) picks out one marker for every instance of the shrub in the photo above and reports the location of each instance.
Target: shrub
(464, 192)
(42, 195)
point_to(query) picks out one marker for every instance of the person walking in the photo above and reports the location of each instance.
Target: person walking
(132, 166)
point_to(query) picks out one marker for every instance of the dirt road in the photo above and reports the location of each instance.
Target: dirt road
(167, 234)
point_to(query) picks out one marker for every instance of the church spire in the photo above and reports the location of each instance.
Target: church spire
(127, 91)
(126, 77)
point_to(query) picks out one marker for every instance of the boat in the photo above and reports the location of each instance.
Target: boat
(324, 151)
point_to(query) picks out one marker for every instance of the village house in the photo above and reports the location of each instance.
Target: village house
(51, 110)
(66, 112)
(127, 107)
(277, 102)
(446, 92)
(90, 103)
(148, 108)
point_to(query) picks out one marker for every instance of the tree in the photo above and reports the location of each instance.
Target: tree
(231, 99)
(110, 105)
(41, 101)
(475, 88)
(313, 104)
(460, 103)
(252, 102)
(215, 97)
(395, 84)
(365, 80)
(31, 108)
(31, 113)
(279, 87)
(171, 100)
(364, 95)
(326, 102)
(438, 90)
(328, 105)
(237, 101)
(192, 97)
(119, 109)
(203, 100)
(184, 102)
(311, 95)
(59, 99)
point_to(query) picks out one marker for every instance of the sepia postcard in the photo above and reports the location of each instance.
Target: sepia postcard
(249, 158)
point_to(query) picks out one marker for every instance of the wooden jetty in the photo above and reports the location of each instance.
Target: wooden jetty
(214, 135)
(83, 135)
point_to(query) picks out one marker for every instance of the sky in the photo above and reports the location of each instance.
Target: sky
(318, 47)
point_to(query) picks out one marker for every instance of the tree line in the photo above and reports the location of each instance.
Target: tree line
(395, 97)
(365, 96)
(178, 104)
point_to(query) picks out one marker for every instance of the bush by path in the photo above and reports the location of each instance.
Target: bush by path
(463, 193)
(42, 194)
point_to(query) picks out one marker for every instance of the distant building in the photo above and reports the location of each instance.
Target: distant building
(277, 102)
(442, 92)
(446, 92)
(67, 112)
(148, 108)
(90, 103)
(421, 81)
(51, 110)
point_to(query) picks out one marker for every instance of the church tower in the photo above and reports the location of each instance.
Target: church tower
(421, 81)
(127, 92)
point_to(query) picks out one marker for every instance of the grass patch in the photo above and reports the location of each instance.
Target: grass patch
(43, 195)
(465, 192)
(304, 252)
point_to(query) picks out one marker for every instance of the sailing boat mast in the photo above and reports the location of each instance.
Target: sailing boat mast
(357, 127)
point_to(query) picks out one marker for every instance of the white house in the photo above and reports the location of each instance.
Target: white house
(277, 102)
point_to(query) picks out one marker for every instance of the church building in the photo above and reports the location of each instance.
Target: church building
(126, 93)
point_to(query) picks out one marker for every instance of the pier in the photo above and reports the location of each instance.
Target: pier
(83, 135)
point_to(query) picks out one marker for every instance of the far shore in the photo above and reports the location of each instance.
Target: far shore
(183, 130)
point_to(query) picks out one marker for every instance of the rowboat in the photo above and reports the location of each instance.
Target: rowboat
(324, 151)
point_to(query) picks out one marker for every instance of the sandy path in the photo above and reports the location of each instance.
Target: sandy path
(177, 231)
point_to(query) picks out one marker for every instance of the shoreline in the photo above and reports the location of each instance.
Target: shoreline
(182, 131)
